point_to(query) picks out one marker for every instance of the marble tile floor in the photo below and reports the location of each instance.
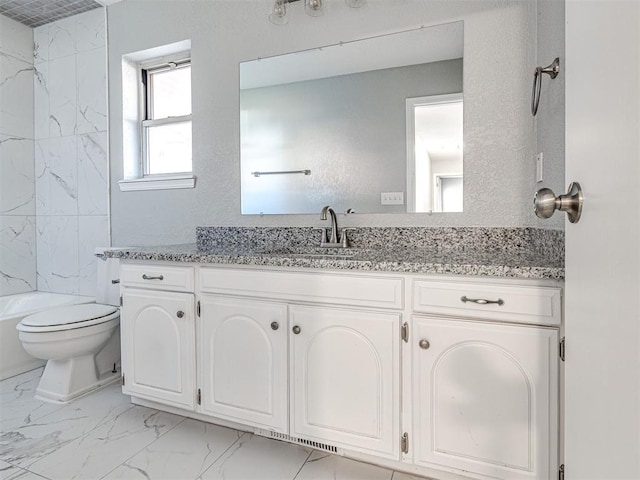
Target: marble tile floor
(104, 436)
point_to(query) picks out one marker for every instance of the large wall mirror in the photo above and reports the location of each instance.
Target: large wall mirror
(369, 126)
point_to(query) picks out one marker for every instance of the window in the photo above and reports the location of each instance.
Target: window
(156, 118)
(166, 127)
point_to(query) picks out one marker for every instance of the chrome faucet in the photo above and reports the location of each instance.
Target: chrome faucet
(331, 241)
(334, 224)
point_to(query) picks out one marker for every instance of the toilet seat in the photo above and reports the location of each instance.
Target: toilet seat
(68, 318)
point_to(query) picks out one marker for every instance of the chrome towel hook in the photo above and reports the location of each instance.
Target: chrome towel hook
(551, 70)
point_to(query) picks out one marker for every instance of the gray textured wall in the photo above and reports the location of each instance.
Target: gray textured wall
(550, 117)
(500, 142)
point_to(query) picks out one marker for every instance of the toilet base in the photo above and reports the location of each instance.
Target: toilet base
(67, 379)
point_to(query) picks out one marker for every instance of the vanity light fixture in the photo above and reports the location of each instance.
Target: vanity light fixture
(280, 10)
(313, 7)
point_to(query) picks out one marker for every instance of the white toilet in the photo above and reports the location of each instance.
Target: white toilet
(81, 343)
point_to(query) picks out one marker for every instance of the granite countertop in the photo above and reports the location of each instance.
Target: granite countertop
(404, 260)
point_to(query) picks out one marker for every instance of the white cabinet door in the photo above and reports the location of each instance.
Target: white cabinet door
(485, 398)
(243, 361)
(345, 378)
(158, 339)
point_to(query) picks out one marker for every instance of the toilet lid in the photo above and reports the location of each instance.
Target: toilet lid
(75, 314)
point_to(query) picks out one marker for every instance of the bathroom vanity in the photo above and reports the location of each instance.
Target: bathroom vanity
(450, 376)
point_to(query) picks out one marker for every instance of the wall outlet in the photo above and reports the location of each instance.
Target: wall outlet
(539, 167)
(392, 198)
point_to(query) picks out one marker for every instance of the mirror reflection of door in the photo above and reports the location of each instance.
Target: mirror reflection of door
(435, 151)
(447, 193)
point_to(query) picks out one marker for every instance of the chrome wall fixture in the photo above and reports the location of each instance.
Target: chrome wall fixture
(551, 70)
(280, 10)
(545, 202)
(281, 172)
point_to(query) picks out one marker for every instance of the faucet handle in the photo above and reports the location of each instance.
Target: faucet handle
(324, 237)
(343, 236)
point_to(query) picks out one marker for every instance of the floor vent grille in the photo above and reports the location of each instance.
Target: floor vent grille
(300, 441)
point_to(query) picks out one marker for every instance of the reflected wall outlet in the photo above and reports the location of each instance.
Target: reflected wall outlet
(392, 198)
(539, 167)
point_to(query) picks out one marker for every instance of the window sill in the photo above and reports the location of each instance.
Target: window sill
(158, 182)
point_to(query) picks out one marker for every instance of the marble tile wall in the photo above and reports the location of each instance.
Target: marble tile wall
(17, 191)
(70, 145)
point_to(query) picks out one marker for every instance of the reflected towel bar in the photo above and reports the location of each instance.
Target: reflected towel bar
(281, 172)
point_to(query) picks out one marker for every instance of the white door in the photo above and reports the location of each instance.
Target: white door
(345, 378)
(483, 398)
(602, 427)
(158, 340)
(243, 361)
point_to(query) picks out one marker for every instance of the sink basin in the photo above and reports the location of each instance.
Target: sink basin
(312, 252)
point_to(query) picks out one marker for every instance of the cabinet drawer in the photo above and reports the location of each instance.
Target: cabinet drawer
(158, 277)
(518, 304)
(358, 290)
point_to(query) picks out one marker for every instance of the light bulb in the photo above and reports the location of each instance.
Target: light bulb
(278, 14)
(313, 7)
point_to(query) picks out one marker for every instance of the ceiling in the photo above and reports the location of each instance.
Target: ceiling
(412, 47)
(34, 13)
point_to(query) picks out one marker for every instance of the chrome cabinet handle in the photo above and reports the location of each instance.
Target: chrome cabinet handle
(424, 344)
(296, 329)
(481, 301)
(147, 277)
(180, 314)
(275, 325)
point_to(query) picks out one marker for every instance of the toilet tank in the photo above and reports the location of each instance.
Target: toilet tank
(108, 270)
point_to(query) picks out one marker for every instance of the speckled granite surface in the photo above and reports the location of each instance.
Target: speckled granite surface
(516, 253)
(547, 242)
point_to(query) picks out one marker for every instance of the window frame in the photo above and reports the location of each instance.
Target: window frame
(147, 70)
(133, 105)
